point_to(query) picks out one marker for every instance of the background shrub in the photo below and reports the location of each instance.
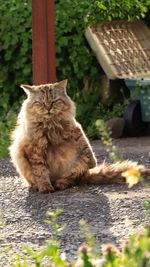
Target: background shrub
(15, 46)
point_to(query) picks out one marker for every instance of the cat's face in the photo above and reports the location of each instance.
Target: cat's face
(48, 100)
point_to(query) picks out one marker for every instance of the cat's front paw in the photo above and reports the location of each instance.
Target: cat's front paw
(46, 188)
(61, 184)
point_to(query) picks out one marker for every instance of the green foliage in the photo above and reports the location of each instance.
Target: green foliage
(15, 46)
(51, 219)
(134, 253)
(5, 127)
(147, 206)
(7, 121)
(50, 252)
(107, 140)
(86, 234)
(15, 62)
(89, 110)
(74, 58)
(106, 10)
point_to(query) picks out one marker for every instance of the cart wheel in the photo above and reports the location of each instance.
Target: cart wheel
(134, 126)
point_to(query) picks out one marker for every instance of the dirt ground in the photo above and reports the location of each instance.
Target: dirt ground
(114, 212)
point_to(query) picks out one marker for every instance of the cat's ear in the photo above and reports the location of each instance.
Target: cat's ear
(63, 84)
(27, 88)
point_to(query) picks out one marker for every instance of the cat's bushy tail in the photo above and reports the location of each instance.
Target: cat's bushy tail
(112, 173)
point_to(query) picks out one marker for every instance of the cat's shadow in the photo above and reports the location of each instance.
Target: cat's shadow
(78, 203)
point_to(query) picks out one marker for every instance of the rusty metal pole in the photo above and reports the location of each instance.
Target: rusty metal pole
(51, 64)
(43, 43)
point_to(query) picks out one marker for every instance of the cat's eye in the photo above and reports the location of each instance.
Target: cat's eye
(58, 101)
(36, 103)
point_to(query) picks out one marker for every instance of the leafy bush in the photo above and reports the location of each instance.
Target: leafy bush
(7, 123)
(15, 62)
(106, 10)
(74, 58)
(15, 46)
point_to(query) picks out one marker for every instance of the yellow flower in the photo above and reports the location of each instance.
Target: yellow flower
(132, 176)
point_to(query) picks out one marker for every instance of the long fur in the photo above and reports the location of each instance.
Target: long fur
(112, 173)
(49, 147)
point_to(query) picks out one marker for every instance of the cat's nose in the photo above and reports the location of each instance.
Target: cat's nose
(49, 107)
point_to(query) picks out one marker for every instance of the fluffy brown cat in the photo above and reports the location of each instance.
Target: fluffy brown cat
(49, 148)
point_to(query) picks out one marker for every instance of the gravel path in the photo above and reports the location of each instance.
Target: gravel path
(114, 212)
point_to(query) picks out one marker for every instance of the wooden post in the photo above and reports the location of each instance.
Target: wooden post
(43, 43)
(51, 65)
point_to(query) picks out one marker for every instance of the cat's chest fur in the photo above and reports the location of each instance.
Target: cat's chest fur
(61, 158)
(56, 146)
